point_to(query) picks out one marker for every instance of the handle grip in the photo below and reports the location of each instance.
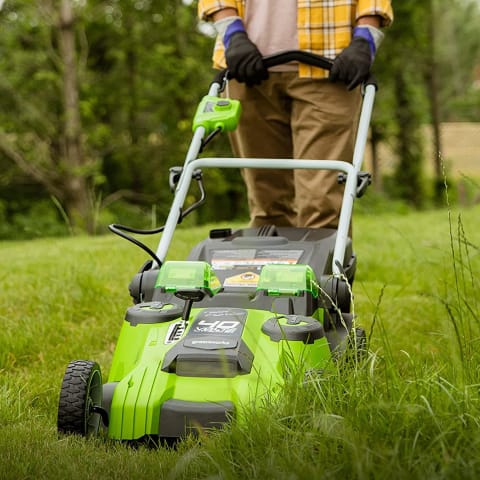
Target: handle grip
(281, 58)
(291, 56)
(298, 56)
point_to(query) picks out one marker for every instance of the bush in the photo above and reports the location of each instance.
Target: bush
(39, 219)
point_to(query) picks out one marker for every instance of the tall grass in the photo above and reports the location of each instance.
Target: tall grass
(409, 410)
(463, 306)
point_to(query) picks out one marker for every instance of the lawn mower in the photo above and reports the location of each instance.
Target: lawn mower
(222, 330)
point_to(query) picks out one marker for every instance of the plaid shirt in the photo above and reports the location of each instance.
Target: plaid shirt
(324, 26)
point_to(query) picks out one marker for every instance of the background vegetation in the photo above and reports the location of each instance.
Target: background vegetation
(96, 101)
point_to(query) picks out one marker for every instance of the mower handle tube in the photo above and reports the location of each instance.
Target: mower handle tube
(286, 164)
(192, 162)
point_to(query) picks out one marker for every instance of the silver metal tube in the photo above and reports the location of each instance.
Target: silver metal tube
(180, 194)
(288, 164)
(214, 89)
(350, 192)
(363, 126)
(183, 185)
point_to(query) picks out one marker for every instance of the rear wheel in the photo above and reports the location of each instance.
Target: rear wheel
(81, 391)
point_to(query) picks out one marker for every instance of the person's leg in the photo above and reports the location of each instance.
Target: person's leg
(264, 132)
(324, 124)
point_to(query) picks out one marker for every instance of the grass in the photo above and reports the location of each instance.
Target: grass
(411, 410)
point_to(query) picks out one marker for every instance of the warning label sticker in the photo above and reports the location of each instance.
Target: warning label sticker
(246, 279)
(241, 268)
(229, 259)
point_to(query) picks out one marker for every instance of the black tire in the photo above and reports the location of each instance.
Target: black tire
(81, 391)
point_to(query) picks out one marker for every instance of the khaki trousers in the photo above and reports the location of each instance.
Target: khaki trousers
(291, 117)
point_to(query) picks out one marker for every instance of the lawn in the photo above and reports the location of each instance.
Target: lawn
(410, 410)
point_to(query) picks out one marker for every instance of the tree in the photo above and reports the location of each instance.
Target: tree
(402, 114)
(77, 185)
(97, 101)
(154, 68)
(432, 80)
(44, 135)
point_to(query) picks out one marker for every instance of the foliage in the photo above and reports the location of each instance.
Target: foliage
(142, 67)
(403, 51)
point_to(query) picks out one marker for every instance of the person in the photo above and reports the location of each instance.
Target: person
(295, 110)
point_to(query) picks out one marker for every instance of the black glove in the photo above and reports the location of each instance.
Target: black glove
(244, 61)
(352, 65)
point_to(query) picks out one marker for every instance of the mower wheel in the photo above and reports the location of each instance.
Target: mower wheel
(81, 391)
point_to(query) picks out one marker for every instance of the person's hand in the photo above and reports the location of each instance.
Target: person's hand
(244, 60)
(352, 65)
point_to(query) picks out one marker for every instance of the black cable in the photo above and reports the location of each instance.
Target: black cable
(209, 137)
(199, 202)
(119, 230)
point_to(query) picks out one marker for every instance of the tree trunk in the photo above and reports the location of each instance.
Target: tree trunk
(408, 174)
(432, 84)
(76, 184)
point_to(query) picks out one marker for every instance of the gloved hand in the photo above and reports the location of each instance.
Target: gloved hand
(352, 65)
(244, 60)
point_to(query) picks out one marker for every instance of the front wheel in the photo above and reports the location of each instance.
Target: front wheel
(81, 392)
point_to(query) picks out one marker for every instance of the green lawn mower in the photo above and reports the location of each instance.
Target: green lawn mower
(209, 336)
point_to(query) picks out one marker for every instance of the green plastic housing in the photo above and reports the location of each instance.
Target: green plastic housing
(278, 279)
(143, 381)
(214, 112)
(143, 387)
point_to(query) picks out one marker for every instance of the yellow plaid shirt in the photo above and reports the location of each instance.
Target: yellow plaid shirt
(324, 26)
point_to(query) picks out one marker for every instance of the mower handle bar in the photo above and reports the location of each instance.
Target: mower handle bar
(279, 59)
(287, 56)
(308, 58)
(298, 56)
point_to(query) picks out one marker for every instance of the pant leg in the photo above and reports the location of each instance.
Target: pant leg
(324, 123)
(264, 132)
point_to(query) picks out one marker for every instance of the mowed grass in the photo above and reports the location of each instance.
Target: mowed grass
(410, 410)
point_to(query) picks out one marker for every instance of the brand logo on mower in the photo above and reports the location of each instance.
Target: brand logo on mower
(222, 327)
(223, 343)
